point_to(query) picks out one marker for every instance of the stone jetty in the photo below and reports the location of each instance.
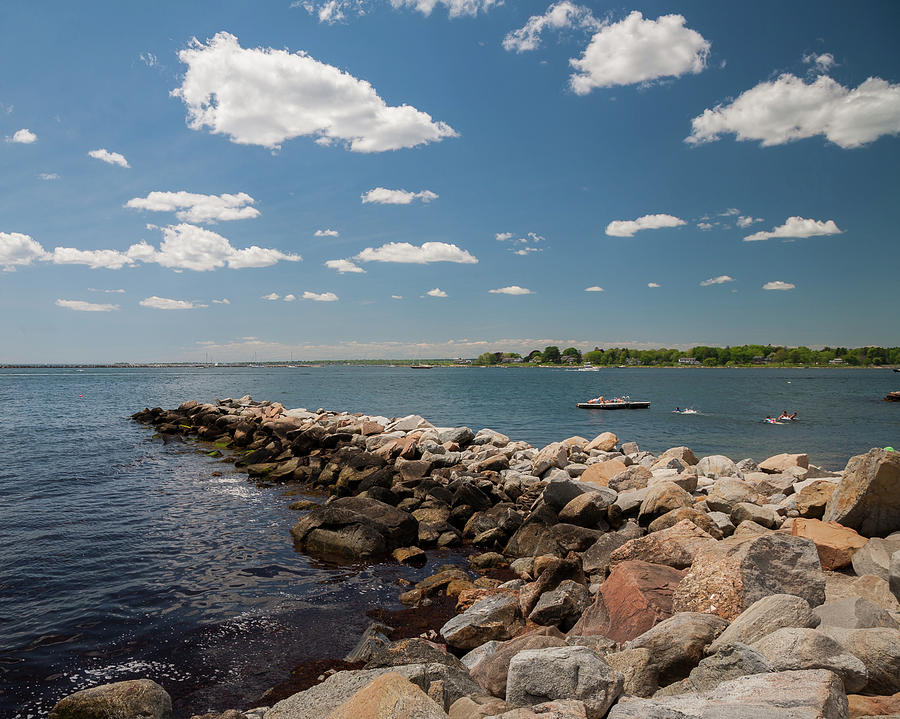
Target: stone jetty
(663, 586)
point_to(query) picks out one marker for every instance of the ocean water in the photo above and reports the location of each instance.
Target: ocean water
(124, 556)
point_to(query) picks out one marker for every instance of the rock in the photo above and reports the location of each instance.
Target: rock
(561, 606)
(813, 498)
(868, 496)
(727, 493)
(539, 675)
(599, 473)
(894, 574)
(797, 648)
(533, 538)
(476, 707)
(747, 512)
(875, 557)
(460, 435)
(550, 575)
(730, 662)
(767, 615)
(812, 694)
(855, 613)
(408, 424)
(781, 462)
(134, 699)
(555, 454)
(635, 597)
(563, 709)
(879, 649)
(410, 555)
(683, 454)
(595, 560)
(637, 667)
(390, 696)
(372, 641)
(413, 651)
(491, 672)
(587, 509)
(664, 497)
(727, 578)
(835, 544)
(604, 442)
(769, 484)
(633, 477)
(861, 706)
(723, 522)
(675, 547)
(701, 519)
(677, 643)
(717, 466)
(479, 654)
(495, 617)
(868, 586)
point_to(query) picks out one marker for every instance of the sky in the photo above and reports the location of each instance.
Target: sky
(319, 179)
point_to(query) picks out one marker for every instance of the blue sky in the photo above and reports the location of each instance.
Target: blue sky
(428, 178)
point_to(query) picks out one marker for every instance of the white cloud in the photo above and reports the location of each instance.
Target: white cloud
(272, 297)
(320, 297)
(396, 297)
(326, 233)
(823, 62)
(797, 227)
(48, 176)
(778, 285)
(343, 266)
(383, 196)
(81, 306)
(188, 247)
(436, 292)
(561, 15)
(108, 292)
(730, 212)
(95, 259)
(223, 301)
(149, 59)
(747, 220)
(789, 109)
(265, 96)
(511, 290)
(653, 285)
(636, 50)
(595, 288)
(404, 252)
(456, 8)
(720, 280)
(192, 207)
(18, 250)
(110, 158)
(627, 228)
(503, 236)
(163, 303)
(289, 298)
(705, 226)
(526, 251)
(22, 137)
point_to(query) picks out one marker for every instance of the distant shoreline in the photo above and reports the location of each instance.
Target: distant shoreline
(436, 364)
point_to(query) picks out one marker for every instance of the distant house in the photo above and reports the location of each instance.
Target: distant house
(460, 360)
(688, 361)
(836, 360)
(569, 359)
(759, 359)
(632, 361)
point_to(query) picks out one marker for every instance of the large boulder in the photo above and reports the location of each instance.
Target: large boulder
(796, 648)
(634, 477)
(868, 496)
(717, 466)
(562, 606)
(676, 546)
(663, 497)
(555, 454)
(134, 699)
(835, 543)
(876, 590)
(812, 694)
(554, 572)
(638, 669)
(605, 442)
(600, 473)
(588, 509)
(727, 578)
(595, 560)
(727, 493)
(491, 672)
(812, 500)
(540, 675)
(730, 662)
(780, 463)
(681, 453)
(875, 557)
(764, 617)
(703, 520)
(559, 493)
(494, 617)
(879, 649)
(390, 696)
(635, 597)
(894, 574)
(854, 613)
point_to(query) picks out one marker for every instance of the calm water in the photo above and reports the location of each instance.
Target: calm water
(121, 556)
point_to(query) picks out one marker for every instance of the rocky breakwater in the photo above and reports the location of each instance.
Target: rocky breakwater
(647, 585)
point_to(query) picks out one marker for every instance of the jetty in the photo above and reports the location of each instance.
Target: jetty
(632, 584)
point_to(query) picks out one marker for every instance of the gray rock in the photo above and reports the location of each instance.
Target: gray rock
(461, 435)
(663, 497)
(717, 466)
(495, 617)
(372, 641)
(491, 674)
(854, 613)
(636, 665)
(894, 574)
(796, 648)
(540, 675)
(561, 606)
(874, 557)
(727, 493)
(135, 699)
(723, 522)
(815, 694)
(765, 616)
(479, 654)
(868, 496)
(745, 511)
(557, 494)
(633, 477)
(731, 662)
(747, 465)
(555, 454)
(878, 649)
(595, 560)
(588, 509)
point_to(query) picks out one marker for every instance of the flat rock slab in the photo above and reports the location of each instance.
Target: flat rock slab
(495, 617)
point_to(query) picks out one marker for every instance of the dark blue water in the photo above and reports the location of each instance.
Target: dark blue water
(121, 556)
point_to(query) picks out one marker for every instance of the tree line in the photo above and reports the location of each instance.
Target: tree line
(739, 355)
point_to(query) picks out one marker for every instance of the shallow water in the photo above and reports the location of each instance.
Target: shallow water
(122, 556)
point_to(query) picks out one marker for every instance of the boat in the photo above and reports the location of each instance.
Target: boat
(689, 410)
(421, 366)
(625, 403)
(588, 367)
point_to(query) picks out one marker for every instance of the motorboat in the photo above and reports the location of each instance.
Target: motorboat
(619, 403)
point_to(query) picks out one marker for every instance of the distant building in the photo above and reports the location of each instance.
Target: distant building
(688, 361)
(460, 360)
(759, 359)
(836, 360)
(632, 361)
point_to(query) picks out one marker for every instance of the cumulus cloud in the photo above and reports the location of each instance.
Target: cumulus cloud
(188, 247)
(563, 15)
(272, 296)
(320, 296)
(511, 290)
(627, 228)
(192, 207)
(163, 303)
(343, 266)
(747, 220)
(789, 109)
(406, 253)
(48, 176)
(289, 298)
(110, 158)
(778, 285)
(326, 233)
(18, 250)
(264, 96)
(527, 251)
(797, 227)
(705, 226)
(823, 62)
(720, 280)
(455, 8)
(22, 137)
(81, 306)
(653, 285)
(595, 288)
(503, 236)
(95, 259)
(436, 292)
(383, 196)
(636, 50)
